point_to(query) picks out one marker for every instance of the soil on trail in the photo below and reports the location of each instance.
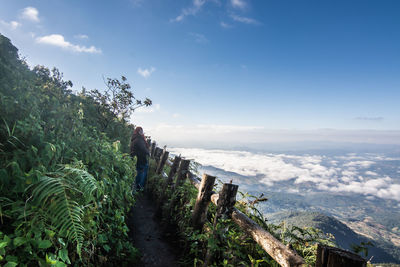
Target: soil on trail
(147, 235)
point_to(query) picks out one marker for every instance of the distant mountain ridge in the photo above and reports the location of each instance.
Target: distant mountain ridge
(344, 236)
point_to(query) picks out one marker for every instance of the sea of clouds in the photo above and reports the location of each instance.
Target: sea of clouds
(369, 174)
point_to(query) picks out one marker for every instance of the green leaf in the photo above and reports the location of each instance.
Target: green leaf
(61, 241)
(34, 149)
(50, 233)
(11, 258)
(18, 241)
(49, 260)
(11, 264)
(107, 248)
(102, 238)
(63, 255)
(7, 239)
(3, 244)
(44, 244)
(60, 264)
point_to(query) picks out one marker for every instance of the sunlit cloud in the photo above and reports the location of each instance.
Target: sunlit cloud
(30, 13)
(146, 73)
(189, 11)
(59, 41)
(225, 25)
(82, 36)
(12, 25)
(241, 4)
(295, 170)
(363, 163)
(245, 20)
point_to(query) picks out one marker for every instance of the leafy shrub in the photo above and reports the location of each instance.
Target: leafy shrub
(64, 184)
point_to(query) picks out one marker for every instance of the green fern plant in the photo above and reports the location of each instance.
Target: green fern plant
(55, 195)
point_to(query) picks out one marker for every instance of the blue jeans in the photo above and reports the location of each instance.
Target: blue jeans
(141, 175)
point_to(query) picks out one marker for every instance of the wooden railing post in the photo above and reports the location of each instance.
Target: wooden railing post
(225, 203)
(153, 149)
(336, 257)
(157, 155)
(203, 200)
(182, 170)
(173, 170)
(162, 161)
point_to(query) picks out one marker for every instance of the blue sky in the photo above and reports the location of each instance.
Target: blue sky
(265, 71)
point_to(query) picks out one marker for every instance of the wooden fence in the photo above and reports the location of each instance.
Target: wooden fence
(225, 200)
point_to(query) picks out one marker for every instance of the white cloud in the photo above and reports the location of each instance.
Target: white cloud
(392, 192)
(349, 173)
(30, 13)
(12, 25)
(245, 20)
(59, 41)
(295, 171)
(380, 187)
(190, 11)
(241, 4)
(272, 167)
(225, 25)
(360, 163)
(199, 38)
(146, 73)
(82, 36)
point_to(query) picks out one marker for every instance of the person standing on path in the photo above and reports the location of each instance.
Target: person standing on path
(140, 149)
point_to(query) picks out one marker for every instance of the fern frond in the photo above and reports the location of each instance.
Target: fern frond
(55, 192)
(84, 180)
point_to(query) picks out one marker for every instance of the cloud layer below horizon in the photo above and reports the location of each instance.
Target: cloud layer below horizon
(360, 174)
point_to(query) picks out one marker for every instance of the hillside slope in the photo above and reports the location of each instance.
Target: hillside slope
(344, 236)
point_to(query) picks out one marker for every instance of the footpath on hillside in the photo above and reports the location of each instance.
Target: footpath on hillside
(148, 237)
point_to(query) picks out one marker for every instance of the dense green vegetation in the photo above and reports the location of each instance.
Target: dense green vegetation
(64, 178)
(228, 244)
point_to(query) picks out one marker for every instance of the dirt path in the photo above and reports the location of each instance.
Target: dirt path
(147, 236)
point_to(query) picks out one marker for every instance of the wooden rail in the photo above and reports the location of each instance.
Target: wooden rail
(224, 200)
